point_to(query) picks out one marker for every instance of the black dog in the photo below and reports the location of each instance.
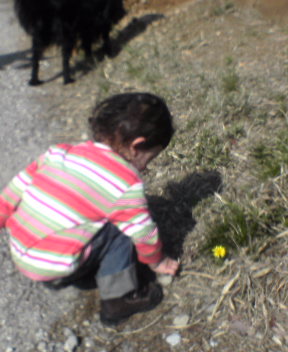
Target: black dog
(63, 23)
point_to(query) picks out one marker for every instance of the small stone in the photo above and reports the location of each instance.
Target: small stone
(159, 174)
(42, 346)
(67, 332)
(88, 342)
(173, 339)
(56, 347)
(84, 136)
(259, 336)
(71, 343)
(181, 320)
(86, 323)
(277, 340)
(41, 335)
(213, 343)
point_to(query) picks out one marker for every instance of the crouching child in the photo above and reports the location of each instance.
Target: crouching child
(79, 211)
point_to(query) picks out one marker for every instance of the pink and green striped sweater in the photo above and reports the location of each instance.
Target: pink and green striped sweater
(54, 207)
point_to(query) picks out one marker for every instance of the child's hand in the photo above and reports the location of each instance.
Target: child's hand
(166, 266)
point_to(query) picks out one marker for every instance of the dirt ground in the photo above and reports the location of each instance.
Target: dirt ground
(223, 71)
(277, 9)
(153, 4)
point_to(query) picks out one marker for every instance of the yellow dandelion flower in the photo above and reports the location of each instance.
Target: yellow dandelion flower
(219, 251)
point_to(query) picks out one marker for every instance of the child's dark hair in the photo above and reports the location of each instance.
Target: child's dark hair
(123, 117)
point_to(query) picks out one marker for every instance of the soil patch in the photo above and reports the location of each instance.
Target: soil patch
(276, 9)
(153, 4)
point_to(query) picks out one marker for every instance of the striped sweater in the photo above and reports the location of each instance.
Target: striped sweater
(54, 207)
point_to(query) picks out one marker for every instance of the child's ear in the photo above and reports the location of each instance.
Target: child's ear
(134, 146)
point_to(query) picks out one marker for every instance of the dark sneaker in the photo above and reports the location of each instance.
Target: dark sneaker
(114, 311)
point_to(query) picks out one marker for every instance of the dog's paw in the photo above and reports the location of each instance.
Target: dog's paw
(68, 80)
(35, 82)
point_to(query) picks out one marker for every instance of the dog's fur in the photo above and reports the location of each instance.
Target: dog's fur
(63, 23)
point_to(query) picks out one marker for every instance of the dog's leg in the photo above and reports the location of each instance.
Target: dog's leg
(107, 46)
(36, 55)
(67, 48)
(87, 46)
(86, 43)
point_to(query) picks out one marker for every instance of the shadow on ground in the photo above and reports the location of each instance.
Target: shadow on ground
(132, 30)
(10, 58)
(173, 214)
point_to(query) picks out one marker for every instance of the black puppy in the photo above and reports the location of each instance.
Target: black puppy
(63, 23)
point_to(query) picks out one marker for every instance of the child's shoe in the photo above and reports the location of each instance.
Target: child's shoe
(113, 311)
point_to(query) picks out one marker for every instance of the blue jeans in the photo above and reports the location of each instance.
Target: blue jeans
(111, 264)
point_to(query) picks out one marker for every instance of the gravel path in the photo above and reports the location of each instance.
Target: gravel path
(25, 311)
(23, 133)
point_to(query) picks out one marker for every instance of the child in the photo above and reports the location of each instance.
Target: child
(80, 210)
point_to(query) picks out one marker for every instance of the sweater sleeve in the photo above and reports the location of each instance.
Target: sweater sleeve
(132, 217)
(11, 195)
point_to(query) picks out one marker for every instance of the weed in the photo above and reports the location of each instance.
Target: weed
(272, 159)
(209, 150)
(239, 224)
(282, 107)
(253, 33)
(229, 60)
(235, 131)
(230, 81)
(230, 108)
(220, 10)
(234, 228)
(151, 77)
(104, 86)
(134, 70)
(191, 125)
(265, 158)
(236, 106)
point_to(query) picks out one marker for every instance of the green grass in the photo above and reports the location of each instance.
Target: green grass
(234, 227)
(208, 150)
(222, 97)
(237, 224)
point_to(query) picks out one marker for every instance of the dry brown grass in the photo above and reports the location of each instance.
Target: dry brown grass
(223, 72)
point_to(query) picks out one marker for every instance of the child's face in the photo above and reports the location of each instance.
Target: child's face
(141, 158)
